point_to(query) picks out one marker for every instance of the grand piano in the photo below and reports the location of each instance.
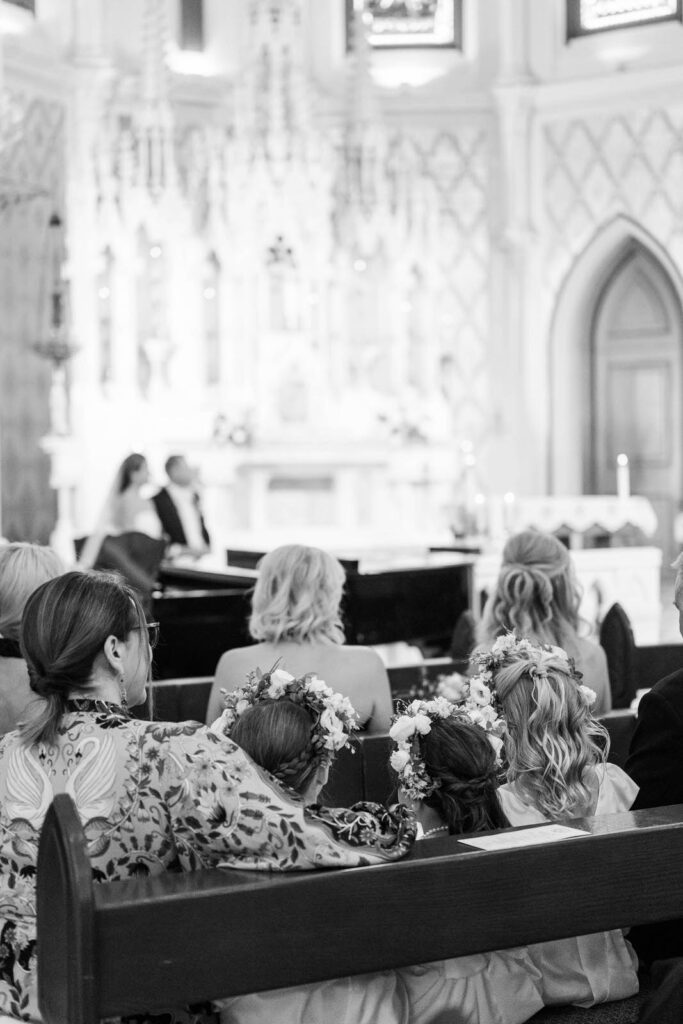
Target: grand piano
(204, 609)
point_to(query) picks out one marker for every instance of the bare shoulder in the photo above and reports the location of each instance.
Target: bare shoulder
(364, 659)
(237, 661)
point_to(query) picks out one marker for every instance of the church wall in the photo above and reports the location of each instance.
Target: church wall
(34, 158)
(492, 169)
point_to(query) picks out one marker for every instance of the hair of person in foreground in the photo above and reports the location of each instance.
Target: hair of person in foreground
(66, 624)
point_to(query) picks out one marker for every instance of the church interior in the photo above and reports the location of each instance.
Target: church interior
(389, 274)
(376, 305)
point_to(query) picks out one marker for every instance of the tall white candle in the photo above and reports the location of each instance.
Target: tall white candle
(623, 477)
(509, 511)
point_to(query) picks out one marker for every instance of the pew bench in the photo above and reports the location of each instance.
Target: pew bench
(124, 946)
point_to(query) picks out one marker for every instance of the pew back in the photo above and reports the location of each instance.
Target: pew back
(172, 939)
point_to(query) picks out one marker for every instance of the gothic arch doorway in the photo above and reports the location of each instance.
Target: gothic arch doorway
(636, 354)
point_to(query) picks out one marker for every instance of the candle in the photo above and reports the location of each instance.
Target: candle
(480, 514)
(470, 488)
(623, 477)
(509, 511)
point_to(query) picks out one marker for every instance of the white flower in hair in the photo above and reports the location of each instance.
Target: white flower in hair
(333, 715)
(399, 759)
(590, 696)
(279, 681)
(479, 692)
(416, 721)
(454, 687)
(403, 728)
(422, 724)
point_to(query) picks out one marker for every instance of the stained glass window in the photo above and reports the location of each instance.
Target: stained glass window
(407, 23)
(587, 16)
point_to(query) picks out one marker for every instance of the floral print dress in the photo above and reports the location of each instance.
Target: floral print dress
(154, 797)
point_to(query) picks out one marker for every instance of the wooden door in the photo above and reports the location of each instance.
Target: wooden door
(636, 407)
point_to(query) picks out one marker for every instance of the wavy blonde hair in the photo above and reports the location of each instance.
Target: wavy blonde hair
(536, 595)
(23, 567)
(552, 740)
(297, 596)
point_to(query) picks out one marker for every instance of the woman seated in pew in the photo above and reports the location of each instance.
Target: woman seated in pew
(296, 619)
(556, 751)
(152, 796)
(537, 596)
(23, 567)
(293, 728)
(448, 773)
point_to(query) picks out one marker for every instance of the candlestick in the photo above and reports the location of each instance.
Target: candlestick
(623, 477)
(509, 511)
(480, 513)
(470, 489)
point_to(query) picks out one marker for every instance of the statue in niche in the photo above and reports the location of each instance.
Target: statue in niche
(283, 287)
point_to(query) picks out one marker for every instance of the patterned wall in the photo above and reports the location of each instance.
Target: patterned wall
(599, 167)
(36, 157)
(457, 167)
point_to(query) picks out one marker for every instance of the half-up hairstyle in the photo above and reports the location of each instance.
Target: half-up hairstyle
(297, 596)
(536, 594)
(64, 627)
(278, 736)
(552, 739)
(458, 755)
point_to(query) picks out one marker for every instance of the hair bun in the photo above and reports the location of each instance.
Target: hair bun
(48, 684)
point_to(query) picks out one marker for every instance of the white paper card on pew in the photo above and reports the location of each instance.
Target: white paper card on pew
(526, 837)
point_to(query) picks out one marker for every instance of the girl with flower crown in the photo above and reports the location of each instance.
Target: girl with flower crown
(556, 755)
(293, 728)
(448, 771)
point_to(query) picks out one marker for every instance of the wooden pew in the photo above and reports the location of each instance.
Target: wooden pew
(196, 627)
(124, 946)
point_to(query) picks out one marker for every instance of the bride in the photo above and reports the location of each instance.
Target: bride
(125, 510)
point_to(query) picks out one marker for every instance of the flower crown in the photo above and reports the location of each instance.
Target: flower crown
(333, 715)
(416, 719)
(508, 648)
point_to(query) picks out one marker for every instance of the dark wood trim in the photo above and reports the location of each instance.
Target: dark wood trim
(183, 938)
(67, 980)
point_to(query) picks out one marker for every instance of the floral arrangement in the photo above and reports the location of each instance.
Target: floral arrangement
(416, 719)
(508, 648)
(471, 698)
(333, 715)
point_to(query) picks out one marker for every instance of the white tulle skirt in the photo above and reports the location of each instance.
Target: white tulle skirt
(489, 988)
(362, 999)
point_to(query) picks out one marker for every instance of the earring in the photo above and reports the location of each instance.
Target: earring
(122, 691)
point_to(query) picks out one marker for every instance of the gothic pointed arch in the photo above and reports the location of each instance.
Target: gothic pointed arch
(571, 343)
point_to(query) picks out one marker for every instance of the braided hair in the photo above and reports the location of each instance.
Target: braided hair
(458, 755)
(278, 736)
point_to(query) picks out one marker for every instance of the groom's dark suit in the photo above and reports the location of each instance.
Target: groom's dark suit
(171, 522)
(655, 763)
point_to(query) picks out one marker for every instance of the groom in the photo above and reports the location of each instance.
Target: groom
(178, 507)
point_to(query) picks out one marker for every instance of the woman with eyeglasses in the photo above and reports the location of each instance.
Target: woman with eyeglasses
(152, 796)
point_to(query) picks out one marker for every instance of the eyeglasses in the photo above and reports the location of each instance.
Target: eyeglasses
(152, 632)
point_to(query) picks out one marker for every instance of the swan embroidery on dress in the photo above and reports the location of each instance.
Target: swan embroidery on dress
(29, 793)
(92, 784)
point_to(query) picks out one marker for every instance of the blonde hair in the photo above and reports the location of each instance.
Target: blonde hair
(536, 594)
(23, 567)
(297, 596)
(552, 738)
